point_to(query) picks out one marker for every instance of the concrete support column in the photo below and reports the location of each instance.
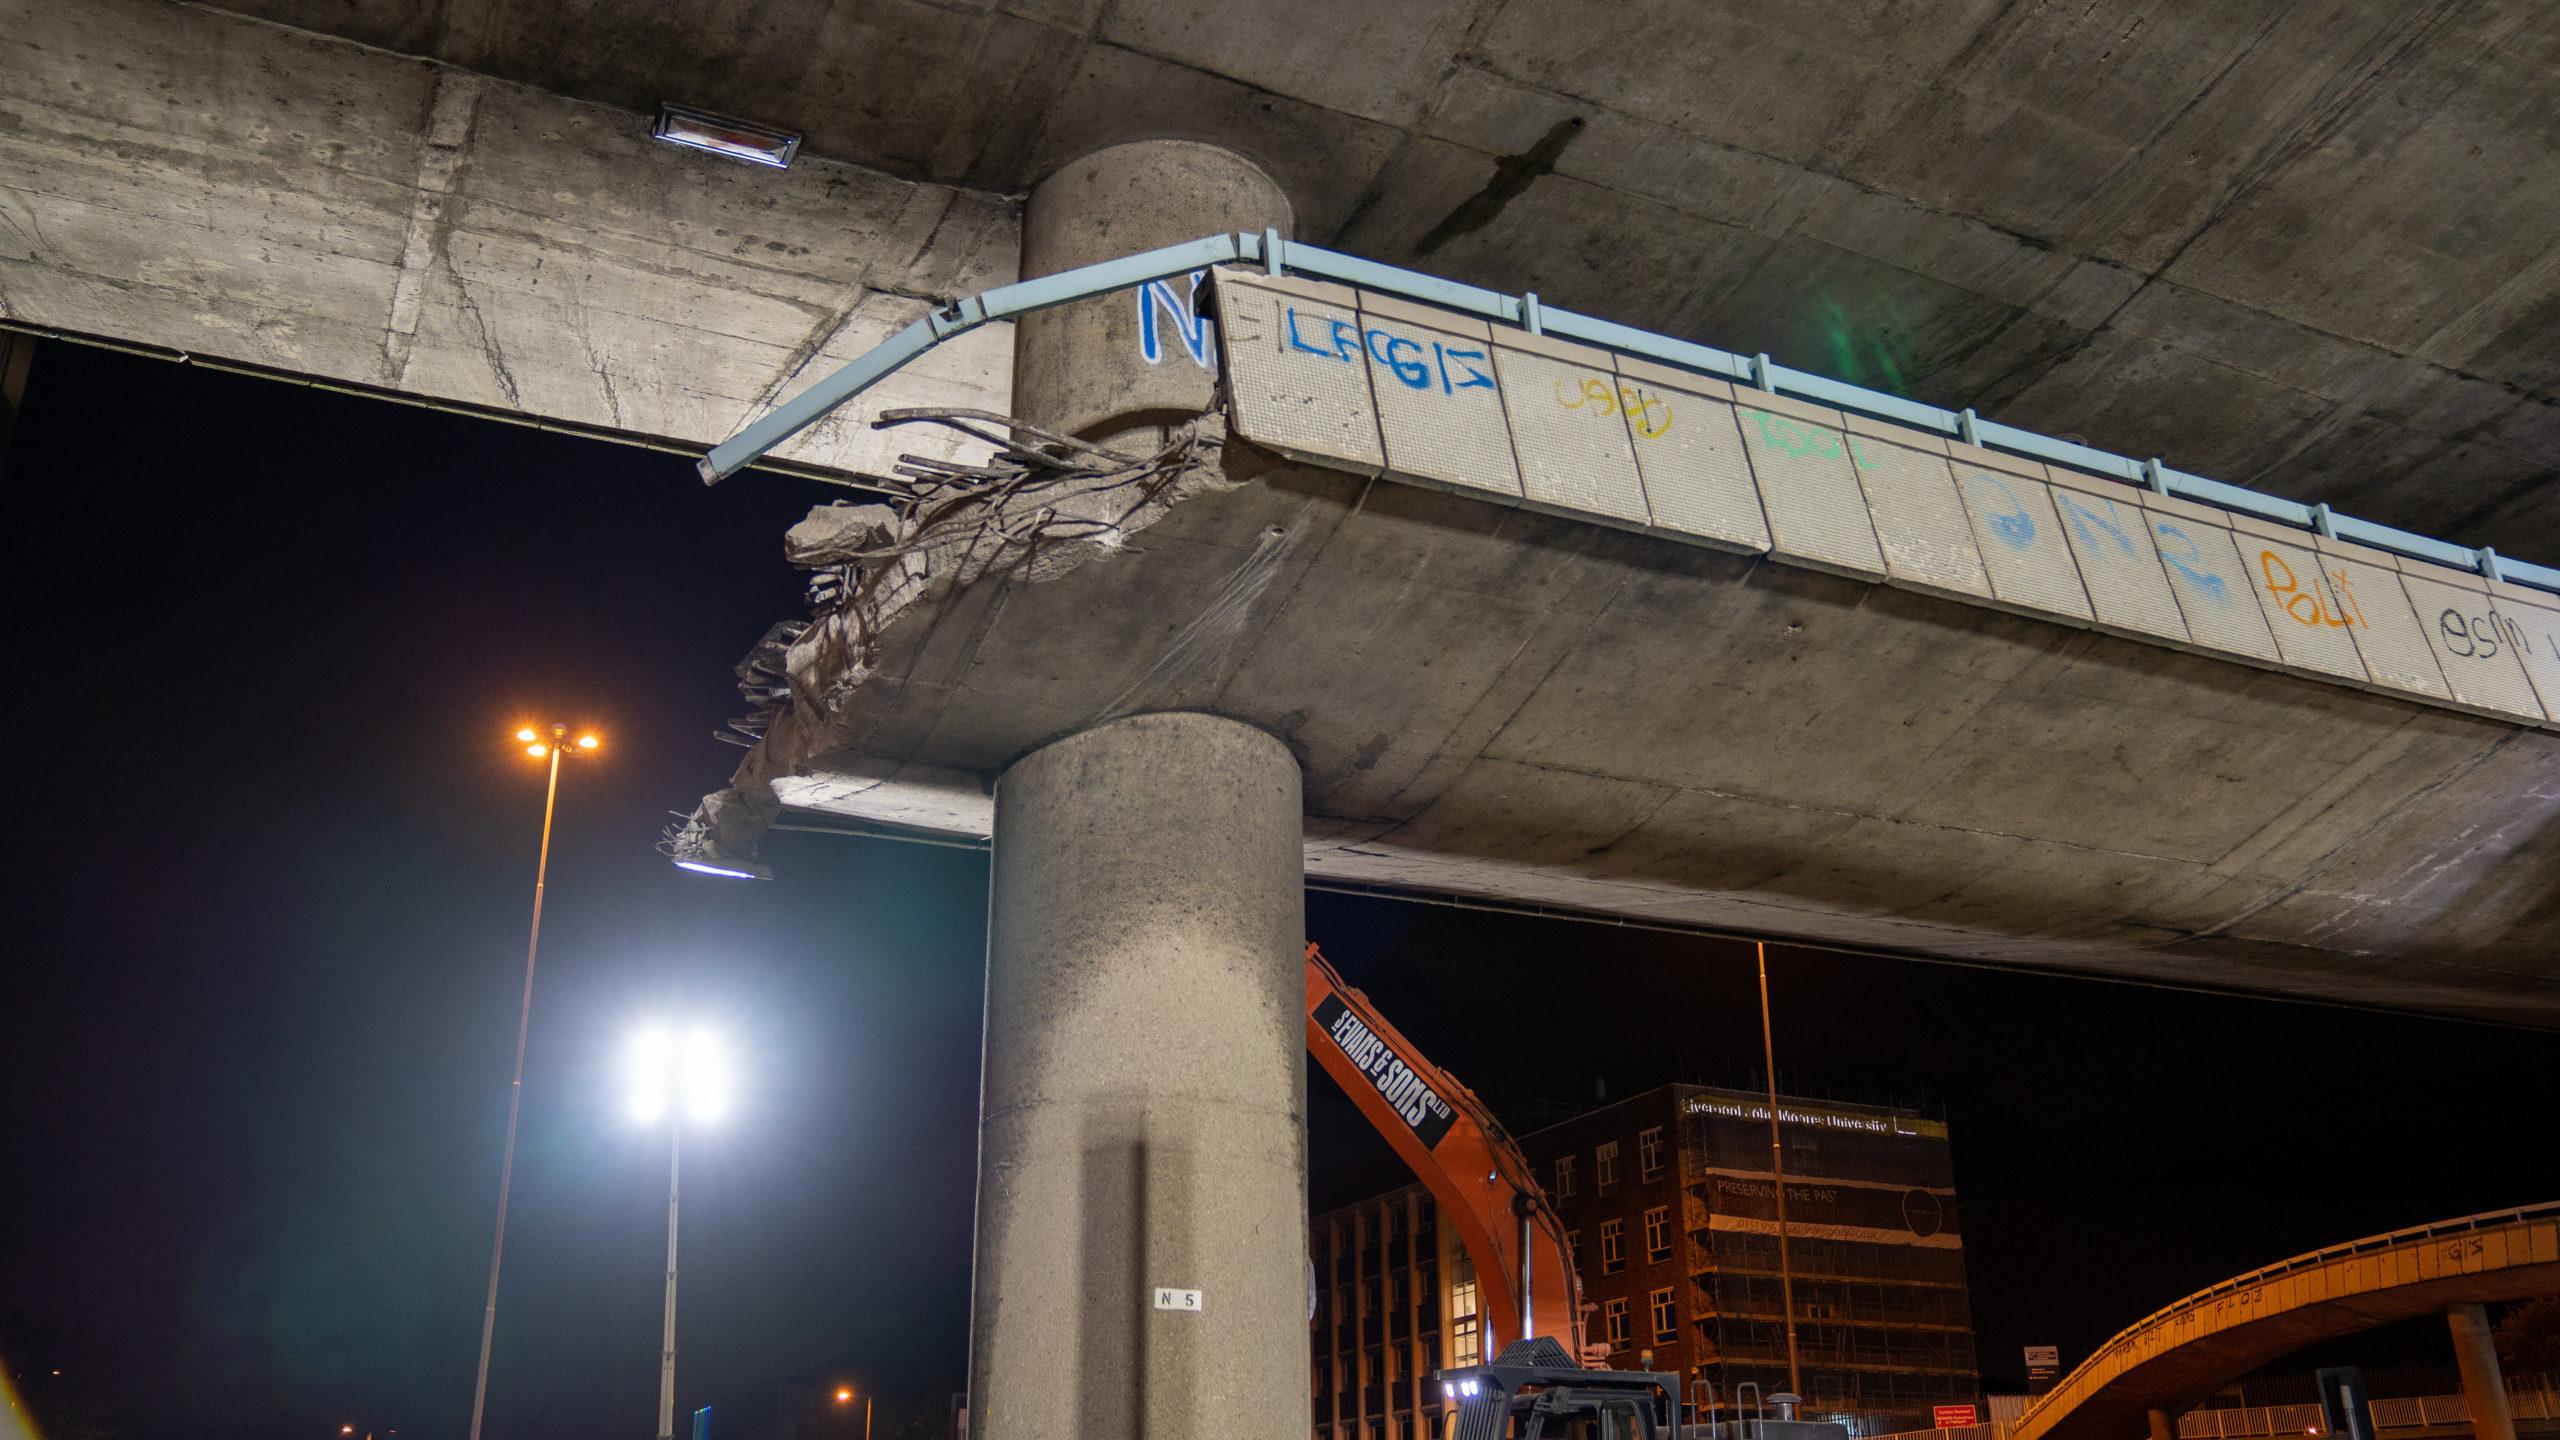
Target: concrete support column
(1144, 1096)
(2484, 1390)
(1083, 368)
(2164, 1426)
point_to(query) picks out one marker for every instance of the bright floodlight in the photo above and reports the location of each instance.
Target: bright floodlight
(668, 1069)
(526, 733)
(652, 1073)
(586, 742)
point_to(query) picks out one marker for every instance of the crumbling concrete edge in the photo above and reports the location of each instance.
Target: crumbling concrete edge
(879, 566)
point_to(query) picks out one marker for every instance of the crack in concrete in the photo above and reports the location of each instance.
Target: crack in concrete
(453, 108)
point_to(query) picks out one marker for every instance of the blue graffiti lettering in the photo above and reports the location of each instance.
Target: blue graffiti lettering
(1475, 378)
(1192, 328)
(2212, 586)
(1299, 342)
(1413, 373)
(2017, 529)
(2082, 517)
(1346, 340)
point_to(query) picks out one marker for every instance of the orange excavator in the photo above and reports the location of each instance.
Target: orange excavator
(1462, 1154)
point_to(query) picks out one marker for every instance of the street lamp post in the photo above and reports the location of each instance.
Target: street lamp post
(675, 1079)
(534, 745)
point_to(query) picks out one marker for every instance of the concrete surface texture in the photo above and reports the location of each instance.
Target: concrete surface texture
(2305, 247)
(2183, 1353)
(1498, 703)
(1144, 1104)
(1104, 365)
(242, 192)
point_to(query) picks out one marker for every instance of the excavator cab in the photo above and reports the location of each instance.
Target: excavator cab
(1534, 1391)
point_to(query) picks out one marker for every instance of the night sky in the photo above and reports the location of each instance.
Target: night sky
(271, 870)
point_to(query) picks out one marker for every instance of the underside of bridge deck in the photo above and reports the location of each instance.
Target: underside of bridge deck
(1495, 703)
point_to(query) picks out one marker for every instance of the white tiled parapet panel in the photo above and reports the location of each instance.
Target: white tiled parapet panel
(1920, 521)
(2110, 537)
(2304, 604)
(1697, 480)
(1817, 514)
(2534, 628)
(1379, 385)
(1295, 372)
(2020, 533)
(1439, 397)
(2481, 652)
(2202, 564)
(1569, 425)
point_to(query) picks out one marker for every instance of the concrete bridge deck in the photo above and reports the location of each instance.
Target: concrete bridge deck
(2303, 252)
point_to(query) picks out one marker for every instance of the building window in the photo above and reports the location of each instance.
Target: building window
(1657, 1234)
(1666, 1318)
(1649, 1154)
(1613, 1317)
(1613, 1246)
(1573, 1246)
(1564, 1178)
(1466, 1332)
(1604, 1167)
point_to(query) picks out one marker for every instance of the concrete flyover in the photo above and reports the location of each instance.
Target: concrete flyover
(2298, 250)
(2184, 1352)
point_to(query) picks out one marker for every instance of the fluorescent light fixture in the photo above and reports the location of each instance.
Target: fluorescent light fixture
(737, 139)
(726, 869)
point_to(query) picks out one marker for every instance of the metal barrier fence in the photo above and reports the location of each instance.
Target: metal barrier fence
(2487, 1220)
(1279, 256)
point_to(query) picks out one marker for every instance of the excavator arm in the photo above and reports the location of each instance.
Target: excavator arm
(1524, 1274)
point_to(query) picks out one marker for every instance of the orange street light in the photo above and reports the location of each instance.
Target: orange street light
(535, 746)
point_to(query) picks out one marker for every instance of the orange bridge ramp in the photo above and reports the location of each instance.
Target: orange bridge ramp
(2177, 1356)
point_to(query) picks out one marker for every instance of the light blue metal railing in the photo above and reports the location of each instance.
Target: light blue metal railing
(1279, 256)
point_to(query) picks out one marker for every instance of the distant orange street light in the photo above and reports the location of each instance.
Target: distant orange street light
(535, 746)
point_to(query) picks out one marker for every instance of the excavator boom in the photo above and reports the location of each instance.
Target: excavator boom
(1462, 1155)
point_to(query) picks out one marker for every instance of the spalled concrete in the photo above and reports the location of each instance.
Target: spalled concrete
(1145, 1094)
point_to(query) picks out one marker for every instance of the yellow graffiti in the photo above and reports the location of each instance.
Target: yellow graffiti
(1648, 414)
(2333, 604)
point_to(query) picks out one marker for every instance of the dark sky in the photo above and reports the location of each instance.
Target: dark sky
(265, 921)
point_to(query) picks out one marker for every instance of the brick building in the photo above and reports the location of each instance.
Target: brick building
(1668, 1198)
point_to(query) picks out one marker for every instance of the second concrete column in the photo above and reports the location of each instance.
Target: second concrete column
(1143, 1107)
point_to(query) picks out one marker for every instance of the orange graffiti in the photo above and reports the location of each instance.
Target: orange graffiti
(2333, 604)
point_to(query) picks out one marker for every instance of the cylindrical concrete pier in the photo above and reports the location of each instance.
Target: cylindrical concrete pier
(2484, 1390)
(1143, 1106)
(1083, 368)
